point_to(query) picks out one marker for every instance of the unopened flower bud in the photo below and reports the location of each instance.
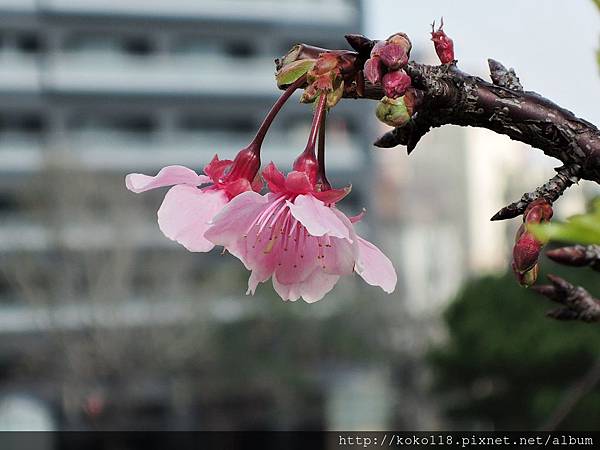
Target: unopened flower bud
(529, 277)
(393, 56)
(393, 112)
(402, 40)
(444, 46)
(377, 48)
(538, 211)
(526, 251)
(372, 70)
(396, 83)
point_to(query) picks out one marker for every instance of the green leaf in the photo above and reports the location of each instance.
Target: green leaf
(294, 70)
(579, 229)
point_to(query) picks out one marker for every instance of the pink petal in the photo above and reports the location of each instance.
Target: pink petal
(358, 217)
(299, 261)
(235, 218)
(167, 176)
(332, 195)
(274, 178)
(340, 257)
(298, 183)
(318, 219)
(185, 214)
(258, 275)
(374, 267)
(235, 188)
(311, 290)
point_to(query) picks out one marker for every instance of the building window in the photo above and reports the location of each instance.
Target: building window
(195, 123)
(110, 44)
(9, 203)
(29, 43)
(240, 49)
(30, 125)
(138, 46)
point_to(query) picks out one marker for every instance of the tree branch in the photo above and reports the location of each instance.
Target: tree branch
(501, 76)
(550, 191)
(578, 303)
(450, 96)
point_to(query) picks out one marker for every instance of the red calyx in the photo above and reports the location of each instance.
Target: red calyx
(245, 165)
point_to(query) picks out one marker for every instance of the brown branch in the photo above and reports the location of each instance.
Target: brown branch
(550, 191)
(578, 304)
(501, 76)
(454, 97)
(577, 256)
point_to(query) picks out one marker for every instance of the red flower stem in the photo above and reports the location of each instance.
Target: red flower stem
(322, 177)
(268, 120)
(314, 129)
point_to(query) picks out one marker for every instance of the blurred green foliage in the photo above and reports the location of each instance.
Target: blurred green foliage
(506, 366)
(579, 229)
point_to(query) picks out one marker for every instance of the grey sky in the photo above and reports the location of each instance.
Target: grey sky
(550, 43)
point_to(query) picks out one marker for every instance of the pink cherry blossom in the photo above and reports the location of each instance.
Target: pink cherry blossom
(296, 236)
(186, 210)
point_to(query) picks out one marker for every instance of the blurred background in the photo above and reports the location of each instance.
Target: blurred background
(106, 324)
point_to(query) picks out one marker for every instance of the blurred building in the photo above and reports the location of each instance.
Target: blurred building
(104, 322)
(91, 90)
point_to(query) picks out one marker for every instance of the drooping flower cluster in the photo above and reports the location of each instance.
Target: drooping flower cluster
(294, 234)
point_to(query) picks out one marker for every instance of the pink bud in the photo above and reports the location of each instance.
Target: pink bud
(377, 48)
(396, 83)
(444, 46)
(372, 70)
(538, 211)
(402, 40)
(393, 56)
(526, 252)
